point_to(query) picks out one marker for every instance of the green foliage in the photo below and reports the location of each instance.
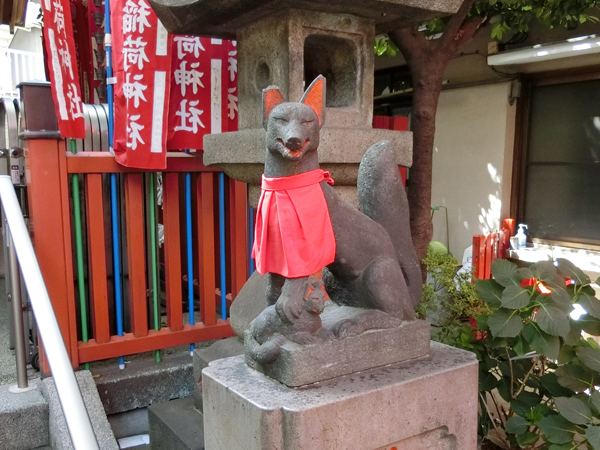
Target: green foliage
(539, 378)
(384, 46)
(513, 16)
(449, 300)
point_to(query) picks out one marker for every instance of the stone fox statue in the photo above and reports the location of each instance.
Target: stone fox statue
(303, 226)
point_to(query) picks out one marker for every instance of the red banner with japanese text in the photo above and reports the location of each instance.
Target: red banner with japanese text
(141, 63)
(203, 90)
(62, 65)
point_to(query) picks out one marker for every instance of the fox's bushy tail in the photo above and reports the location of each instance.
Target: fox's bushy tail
(382, 197)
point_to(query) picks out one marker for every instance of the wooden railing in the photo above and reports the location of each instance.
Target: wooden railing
(86, 296)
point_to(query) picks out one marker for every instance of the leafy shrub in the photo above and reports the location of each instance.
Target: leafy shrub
(539, 378)
(449, 300)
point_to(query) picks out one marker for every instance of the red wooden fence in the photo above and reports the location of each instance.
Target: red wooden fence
(49, 168)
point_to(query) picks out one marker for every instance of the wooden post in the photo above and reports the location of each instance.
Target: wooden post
(50, 225)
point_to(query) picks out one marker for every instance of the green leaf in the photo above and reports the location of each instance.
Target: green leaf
(588, 324)
(515, 297)
(595, 399)
(561, 447)
(523, 404)
(516, 425)
(574, 333)
(570, 270)
(487, 381)
(482, 323)
(520, 346)
(489, 291)
(544, 271)
(527, 438)
(574, 410)
(566, 354)
(542, 342)
(519, 407)
(592, 434)
(538, 413)
(590, 357)
(552, 319)
(552, 387)
(574, 377)
(557, 429)
(505, 323)
(505, 273)
(590, 303)
(525, 272)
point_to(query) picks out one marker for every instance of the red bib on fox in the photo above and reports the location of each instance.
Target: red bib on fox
(293, 235)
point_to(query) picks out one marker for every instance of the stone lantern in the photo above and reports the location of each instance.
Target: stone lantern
(289, 43)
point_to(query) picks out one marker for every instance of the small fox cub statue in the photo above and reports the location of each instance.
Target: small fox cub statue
(303, 227)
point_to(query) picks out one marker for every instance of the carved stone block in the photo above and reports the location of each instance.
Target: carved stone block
(410, 406)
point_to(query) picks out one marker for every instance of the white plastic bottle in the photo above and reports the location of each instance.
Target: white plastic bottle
(521, 235)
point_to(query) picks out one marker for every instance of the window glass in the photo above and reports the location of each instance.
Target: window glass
(565, 123)
(563, 163)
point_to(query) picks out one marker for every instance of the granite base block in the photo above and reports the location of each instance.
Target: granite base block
(428, 403)
(299, 365)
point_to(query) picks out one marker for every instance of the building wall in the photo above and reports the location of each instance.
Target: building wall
(472, 162)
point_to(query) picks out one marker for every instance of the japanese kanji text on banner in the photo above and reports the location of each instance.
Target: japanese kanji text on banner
(142, 63)
(203, 90)
(60, 48)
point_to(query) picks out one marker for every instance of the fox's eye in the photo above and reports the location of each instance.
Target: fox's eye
(308, 123)
(280, 120)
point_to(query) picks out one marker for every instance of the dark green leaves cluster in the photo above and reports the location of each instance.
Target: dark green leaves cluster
(536, 370)
(517, 16)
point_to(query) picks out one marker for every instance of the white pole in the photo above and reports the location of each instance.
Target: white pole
(69, 394)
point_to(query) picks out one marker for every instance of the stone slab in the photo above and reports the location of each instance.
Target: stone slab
(223, 348)
(299, 365)
(242, 153)
(129, 423)
(60, 439)
(176, 425)
(222, 18)
(248, 304)
(23, 419)
(429, 403)
(144, 382)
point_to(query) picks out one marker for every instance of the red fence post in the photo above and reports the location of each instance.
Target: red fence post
(50, 224)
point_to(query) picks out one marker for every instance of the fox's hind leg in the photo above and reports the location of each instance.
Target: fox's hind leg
(384, 288)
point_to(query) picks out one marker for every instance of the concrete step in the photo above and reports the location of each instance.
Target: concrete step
(60, 438)
(23, 418)
(176, 425)
(144, 382)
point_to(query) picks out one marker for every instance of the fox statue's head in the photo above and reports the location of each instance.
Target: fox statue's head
(293, 128)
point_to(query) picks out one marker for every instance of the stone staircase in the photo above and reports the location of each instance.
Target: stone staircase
(147, 398)
(178, 424)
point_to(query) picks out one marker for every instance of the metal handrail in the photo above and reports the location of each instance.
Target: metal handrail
(78, 421)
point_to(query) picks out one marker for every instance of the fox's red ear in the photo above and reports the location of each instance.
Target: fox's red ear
(271, 98)
(315, 97)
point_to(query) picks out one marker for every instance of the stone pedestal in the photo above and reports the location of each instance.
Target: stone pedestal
(429, 403)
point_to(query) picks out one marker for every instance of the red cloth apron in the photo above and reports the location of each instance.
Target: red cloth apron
(293, 236)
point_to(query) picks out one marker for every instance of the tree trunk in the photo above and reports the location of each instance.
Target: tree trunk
(427, 74)
(427, 60)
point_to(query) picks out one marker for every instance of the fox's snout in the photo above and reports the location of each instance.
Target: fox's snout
(294, 143)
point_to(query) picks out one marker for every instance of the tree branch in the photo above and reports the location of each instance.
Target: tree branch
(409, 40)
(469, 29)
(455, 23)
